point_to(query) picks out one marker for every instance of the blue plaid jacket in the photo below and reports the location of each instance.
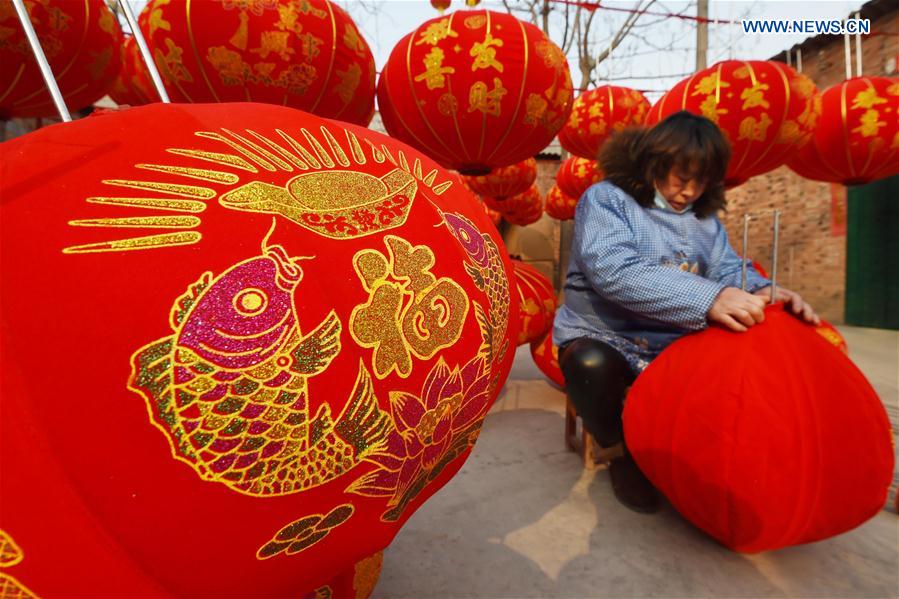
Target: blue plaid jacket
(639, 278)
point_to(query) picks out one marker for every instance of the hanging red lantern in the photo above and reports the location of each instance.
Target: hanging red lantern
(80, 41)
(597, 113)
(765, 110)
(763, 439)
(546, 357)
(505, 181)
(537, 302)
(441, 5)
(133, 86)
(475, 90)
(290, 330)
(522, 209)
(559, 205)
(857, 137)
(472, 3)
(576, 174)
(308, 55)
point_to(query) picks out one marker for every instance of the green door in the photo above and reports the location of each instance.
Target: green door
(872, 255)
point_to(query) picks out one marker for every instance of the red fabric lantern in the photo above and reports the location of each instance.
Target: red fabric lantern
(80, 40)
(523, 209)
(475, 90)
(559, 205)
(133, 86)
(252, 345)
(763, 439)
(537, 302)
(597, 113)
(546, 357)
(766, 110)
(576, 175)
(307, 55)
(857, 137)
(505, 181)
(441, 5)
(357, 582)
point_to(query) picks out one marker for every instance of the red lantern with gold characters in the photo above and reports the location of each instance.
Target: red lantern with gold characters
(80, 41)
(857, 137)
(765, 109)
(537, 302)
(475, 90)
(522, 209)
(253, 343)
(559, 205)
(577, 174)
(505, 181)
(133, 86)
(597, 113)
(546, 357)
(307, 55)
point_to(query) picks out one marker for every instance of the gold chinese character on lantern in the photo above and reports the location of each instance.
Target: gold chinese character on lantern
(755, 130)
(436, 32)
(754, 96)
(435, 73)
(484, 99)
(409, 311)
(484, 54)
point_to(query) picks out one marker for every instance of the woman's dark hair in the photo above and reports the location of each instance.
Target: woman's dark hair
(634, 159)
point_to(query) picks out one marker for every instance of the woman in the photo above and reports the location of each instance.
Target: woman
(650, 262)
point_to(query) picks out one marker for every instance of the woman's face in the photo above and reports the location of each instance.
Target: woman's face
(680, 189)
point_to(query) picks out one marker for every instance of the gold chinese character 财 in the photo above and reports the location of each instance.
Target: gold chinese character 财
(484, 99)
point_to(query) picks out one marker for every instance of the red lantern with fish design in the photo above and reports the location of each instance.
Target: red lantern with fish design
(80, 40)
(475, 90)
(307, 55)
(857, 137)
(765, 110)
(133, 86)
(597, 113)
(252, 345)
(505, 181)
(576, 174)
(522, 209)
(537, 302)
(546, 357)
(559, 205)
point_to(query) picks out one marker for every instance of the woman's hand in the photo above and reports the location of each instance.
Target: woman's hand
(794, 301)
(737, 309)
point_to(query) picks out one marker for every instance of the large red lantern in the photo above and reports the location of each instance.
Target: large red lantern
(522, 209)
(505, 181)
(763, 439)
(597, 113)
(857, 137)
(475, 90)
(546, 357)
(765, 109)
(577, 174)
(80, 41)
(133, 86)
(559, 205)
(537, 302)
(307, 55)
(252, 344)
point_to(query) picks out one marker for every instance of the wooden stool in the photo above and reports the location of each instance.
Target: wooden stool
(578, 440)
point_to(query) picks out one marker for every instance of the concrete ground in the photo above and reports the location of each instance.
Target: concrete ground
(523, 518)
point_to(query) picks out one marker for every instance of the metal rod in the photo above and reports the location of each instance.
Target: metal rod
(744, 250)
(858, 47)
(145, 52)
(774, 257)
(799, 59)
(789, 58)
(42, 63)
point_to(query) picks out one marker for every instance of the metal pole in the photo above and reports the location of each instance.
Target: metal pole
(789, 57)
(847, 47)
(744, 250)
(858, 49)
(145, 51)
(774, 257)
(702, 34)
(799, 59)
(42, 63)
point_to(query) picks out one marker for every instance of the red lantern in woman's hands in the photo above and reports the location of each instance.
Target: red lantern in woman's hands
(537, 302)
(546, 357)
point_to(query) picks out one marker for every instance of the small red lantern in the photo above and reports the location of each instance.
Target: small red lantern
(763, 439)
(577, 174)
(254, 342)
(505, 181)
(766, 110)
(80, 41)
(537, 302)
(441, 5)
(475, 90)
(308, 55)
(546, 357)
(133, 85)
(559, 205)
(857, 137)
(597, 113)
(522, 209)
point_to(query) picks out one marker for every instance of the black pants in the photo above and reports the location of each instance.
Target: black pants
(596, 380)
